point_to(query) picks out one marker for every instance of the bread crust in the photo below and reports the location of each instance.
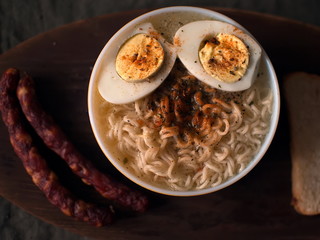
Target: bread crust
(302, 93)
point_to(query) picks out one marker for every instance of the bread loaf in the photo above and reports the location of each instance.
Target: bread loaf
(302, 93)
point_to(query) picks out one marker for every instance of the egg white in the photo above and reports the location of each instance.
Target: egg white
(116, 90)
(188, 39)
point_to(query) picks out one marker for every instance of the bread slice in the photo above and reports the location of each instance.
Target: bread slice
(302, 93)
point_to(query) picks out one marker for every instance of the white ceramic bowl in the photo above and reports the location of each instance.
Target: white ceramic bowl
(99, 133)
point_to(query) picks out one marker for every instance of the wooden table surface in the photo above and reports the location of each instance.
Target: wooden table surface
(61, 61)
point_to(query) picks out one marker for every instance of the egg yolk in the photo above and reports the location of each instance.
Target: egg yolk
(139, 58)
(225, 57)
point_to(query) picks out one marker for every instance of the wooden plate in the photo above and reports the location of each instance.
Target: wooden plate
(61, 61)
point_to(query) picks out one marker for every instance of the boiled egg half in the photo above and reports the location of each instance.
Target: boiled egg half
(134, 63)
(219, 54)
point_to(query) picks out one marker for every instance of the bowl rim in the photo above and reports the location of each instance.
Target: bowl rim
(264, 147)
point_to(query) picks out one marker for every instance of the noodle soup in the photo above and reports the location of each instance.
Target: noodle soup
(187, 138)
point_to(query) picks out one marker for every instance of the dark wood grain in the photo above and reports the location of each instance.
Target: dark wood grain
(61, 61)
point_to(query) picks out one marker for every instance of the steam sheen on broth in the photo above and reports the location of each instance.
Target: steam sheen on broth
(161, 154)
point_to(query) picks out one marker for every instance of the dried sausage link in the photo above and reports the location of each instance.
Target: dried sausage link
(54, 138)
(36, 165)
